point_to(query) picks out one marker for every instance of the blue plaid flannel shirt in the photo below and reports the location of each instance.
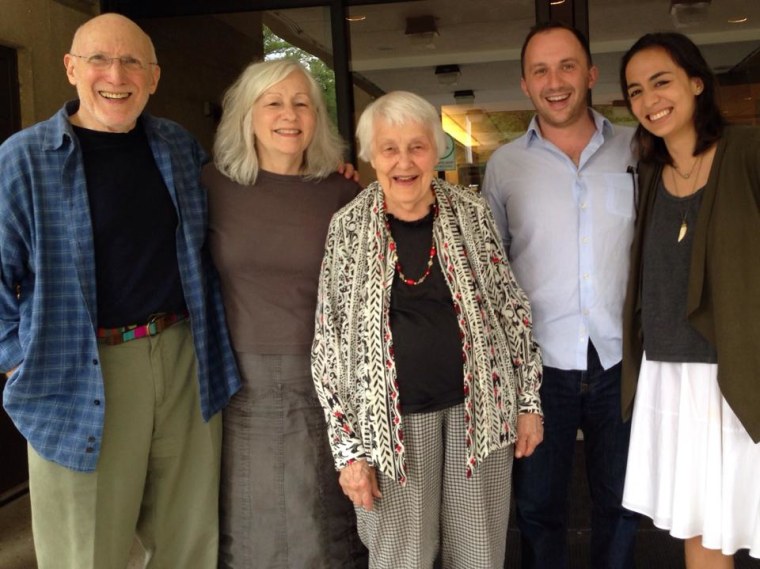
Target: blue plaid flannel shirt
(47, 286)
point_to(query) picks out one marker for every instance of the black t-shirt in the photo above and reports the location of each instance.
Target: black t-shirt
(134, 226)
(426, 339)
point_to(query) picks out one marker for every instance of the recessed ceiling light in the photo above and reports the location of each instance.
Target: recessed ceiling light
(556, 2)
(738, 20)
(356, 18)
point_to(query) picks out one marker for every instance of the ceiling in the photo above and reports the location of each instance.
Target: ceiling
(484, 38)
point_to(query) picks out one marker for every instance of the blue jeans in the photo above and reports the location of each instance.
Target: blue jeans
(588, 400)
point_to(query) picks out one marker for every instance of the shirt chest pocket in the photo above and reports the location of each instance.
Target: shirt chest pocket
(619, 194)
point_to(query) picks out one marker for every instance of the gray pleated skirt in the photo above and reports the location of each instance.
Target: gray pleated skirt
(281, 504)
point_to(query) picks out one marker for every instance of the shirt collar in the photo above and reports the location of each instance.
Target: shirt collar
(61, 125)
(602, 123)
(60, 128)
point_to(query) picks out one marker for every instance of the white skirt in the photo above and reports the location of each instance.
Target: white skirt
(692, 467)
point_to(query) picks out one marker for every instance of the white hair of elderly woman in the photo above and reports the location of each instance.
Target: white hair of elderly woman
(398, 107)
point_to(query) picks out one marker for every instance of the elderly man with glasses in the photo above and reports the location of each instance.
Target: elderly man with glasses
(111, 323)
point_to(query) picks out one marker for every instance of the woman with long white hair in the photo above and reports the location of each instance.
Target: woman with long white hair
(272, 192)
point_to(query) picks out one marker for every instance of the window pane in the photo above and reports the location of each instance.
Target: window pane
(413, 46)
(727, 32)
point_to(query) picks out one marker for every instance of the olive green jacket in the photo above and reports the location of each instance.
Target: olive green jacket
(723, 299)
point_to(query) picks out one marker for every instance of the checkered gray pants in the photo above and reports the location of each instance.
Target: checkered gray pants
(440, 508)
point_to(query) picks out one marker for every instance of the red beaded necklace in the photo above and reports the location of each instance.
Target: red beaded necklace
(428, 267)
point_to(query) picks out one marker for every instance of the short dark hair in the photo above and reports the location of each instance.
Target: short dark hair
(547, 27)
(707, 118)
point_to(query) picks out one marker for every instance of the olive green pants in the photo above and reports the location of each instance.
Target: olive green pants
(157, 474)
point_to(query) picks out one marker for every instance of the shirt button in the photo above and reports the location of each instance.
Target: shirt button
(90, 439)
(94, 362)
(89, 449)
(586, 276)
(583, 205)
(584, 240)
(585, 311)
(97, 402)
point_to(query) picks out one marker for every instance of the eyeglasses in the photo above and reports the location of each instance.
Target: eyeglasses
(127, 62)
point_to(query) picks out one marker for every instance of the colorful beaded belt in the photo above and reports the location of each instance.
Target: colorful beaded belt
(157, 324)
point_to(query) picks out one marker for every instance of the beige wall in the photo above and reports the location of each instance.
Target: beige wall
(200, 57)
(41, 32)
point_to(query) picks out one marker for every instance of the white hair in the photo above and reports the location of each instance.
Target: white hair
(235, 145)
(397, 108)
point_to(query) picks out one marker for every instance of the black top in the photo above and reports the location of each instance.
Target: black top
(426, 339)
(134, 224)
(668, 336)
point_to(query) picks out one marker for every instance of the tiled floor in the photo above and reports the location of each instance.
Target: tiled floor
(655, 549)
(16, 547)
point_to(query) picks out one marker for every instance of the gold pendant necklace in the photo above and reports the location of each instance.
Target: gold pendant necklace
(684, 228)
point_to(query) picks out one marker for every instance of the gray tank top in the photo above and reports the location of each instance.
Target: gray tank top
(668, 336)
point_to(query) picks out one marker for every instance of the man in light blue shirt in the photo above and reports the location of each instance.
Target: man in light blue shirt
(563, 198)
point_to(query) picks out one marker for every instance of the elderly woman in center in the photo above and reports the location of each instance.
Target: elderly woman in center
(423, 356)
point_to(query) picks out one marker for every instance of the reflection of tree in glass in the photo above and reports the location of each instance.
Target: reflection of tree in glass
(511, 124)
(617, 114)
(277, 48)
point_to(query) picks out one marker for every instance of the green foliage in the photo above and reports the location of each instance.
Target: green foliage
(617, 114)
(277, 48)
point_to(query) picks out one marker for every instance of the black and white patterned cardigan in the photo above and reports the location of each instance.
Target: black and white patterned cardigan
(352, 355)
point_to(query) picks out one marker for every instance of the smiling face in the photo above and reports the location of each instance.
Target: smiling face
(661, 94)
(557, 78)
(284, 119)
(404, 156)
(111, 99)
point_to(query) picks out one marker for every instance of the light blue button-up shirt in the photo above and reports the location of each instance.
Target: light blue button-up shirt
(567, 230)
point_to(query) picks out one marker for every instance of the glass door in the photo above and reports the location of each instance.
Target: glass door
(463, 57)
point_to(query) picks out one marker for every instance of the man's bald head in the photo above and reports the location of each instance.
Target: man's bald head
(112, 63)
(113, 24)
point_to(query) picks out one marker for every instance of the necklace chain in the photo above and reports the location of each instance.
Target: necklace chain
(687, 175)
(684, 228)
(431, 256)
